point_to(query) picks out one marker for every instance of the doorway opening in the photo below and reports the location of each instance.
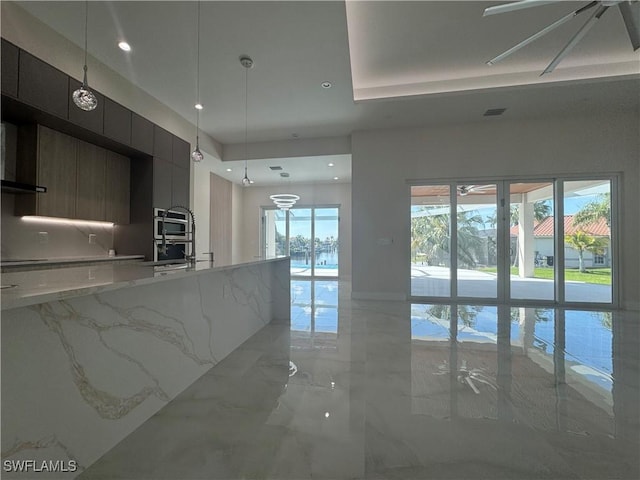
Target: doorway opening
(309, 235)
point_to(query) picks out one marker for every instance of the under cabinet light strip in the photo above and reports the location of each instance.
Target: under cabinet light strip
(66, 221)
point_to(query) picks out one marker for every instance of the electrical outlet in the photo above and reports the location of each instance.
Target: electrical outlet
(43, 237)
(92, 238)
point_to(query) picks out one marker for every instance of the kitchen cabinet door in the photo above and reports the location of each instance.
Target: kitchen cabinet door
(180, 186)
(56, 170)
(141, 134)
(43, 86)
(162, 143)
(161, 183)
(9, 58)
(181, 154)
(91, 180)
(118, 188)
(117, 122)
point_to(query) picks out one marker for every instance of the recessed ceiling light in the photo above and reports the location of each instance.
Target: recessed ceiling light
(330, 164)
(326, 84)
(228, 169)
(198, 106)
(335, 178)
(124, 46)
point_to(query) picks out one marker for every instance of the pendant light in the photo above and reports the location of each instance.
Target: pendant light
(83, 97)
(196, 155)
(247, 63)
(284, 201)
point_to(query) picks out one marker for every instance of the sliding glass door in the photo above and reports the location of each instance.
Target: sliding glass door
(540, 241)
(309, 235)
(588, 241)
(531, 241)
(476, 221)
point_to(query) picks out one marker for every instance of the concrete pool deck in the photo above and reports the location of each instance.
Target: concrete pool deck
(434, 282)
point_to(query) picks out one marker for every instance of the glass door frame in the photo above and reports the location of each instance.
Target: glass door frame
(312, 208)
(503, 256)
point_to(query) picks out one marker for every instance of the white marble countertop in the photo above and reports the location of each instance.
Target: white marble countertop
(24, 288)
(42, 262)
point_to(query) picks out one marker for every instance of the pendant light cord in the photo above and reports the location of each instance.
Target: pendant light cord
(198, 78)
(198, 57)
(86, 30)
(86, 22)
(246, 114)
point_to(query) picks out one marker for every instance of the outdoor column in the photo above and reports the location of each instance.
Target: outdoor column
(526, 245)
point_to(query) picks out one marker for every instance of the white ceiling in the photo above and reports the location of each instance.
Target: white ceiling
(406, 64)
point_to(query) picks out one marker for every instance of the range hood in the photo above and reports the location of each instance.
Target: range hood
(9, 186)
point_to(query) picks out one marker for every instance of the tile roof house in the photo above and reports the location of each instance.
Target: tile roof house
(543, 233)
(546, 229)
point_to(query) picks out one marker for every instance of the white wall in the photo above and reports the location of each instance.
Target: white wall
(322, 194)
(383, 161)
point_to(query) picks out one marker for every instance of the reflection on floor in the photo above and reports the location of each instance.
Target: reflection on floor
(367, 389)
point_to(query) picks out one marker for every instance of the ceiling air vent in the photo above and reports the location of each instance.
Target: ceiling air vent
(275, 168)
(494, 112)
(284, 174)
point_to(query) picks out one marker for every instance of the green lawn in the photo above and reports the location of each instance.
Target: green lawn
(601, 276)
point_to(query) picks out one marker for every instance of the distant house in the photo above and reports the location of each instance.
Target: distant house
(543, 233)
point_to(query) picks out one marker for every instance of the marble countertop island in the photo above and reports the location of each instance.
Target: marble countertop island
(25, 288)
(89, 353)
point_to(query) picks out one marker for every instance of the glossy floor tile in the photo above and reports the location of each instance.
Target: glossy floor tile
(368, 389)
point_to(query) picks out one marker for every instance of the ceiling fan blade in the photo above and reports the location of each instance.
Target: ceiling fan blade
(575, 39)
(542, 32)
(511, 7)
(631, 17)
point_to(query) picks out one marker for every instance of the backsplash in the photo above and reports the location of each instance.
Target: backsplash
(26, 240)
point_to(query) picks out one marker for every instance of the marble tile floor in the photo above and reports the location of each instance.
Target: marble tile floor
(390, 390)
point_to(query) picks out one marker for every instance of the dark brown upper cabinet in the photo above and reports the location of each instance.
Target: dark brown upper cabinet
(162, 172)
(179, 186)
(92, 120)
(42, 86)
(181, 152)
(9, 58)
(162, 143)
(141, 134)
(117, 122)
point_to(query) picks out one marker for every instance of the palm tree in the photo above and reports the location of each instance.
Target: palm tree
(430, 234)
(594, 211)
(541, 210)
(582, 241)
